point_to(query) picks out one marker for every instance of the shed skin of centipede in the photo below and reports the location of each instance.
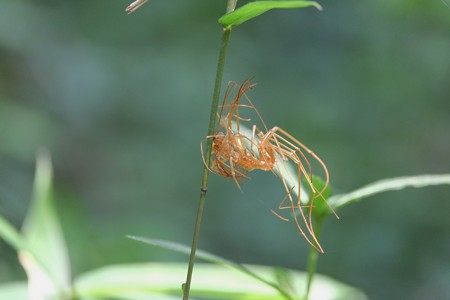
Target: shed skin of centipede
(235, 154)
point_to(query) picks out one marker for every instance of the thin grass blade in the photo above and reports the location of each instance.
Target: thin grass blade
(10, 235)
(392, 184)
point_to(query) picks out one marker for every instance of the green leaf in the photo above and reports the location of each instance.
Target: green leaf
(47, 263)
(284, 279)
(321, 206)
(11, 235)
(392, 184)
(14, 291)
(208, 257)
(162, 281)
(256, 8)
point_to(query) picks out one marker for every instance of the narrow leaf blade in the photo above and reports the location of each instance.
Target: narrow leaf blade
(392, 184)
(256, 8)
(10, 234)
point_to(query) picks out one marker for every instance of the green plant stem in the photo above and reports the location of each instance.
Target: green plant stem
(312, 259)
(212, 125)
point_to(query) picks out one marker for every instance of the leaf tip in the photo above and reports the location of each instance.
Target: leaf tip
(318, 6)
(134, 6)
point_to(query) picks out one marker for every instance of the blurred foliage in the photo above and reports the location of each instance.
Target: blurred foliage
(42, 252)
(122, 102)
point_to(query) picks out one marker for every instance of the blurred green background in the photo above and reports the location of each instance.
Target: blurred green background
(122, 102)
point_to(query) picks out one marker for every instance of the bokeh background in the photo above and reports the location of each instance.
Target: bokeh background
(122, 102)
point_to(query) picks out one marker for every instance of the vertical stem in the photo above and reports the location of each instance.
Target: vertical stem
(312, 259)
(212, 125)
(231, 5)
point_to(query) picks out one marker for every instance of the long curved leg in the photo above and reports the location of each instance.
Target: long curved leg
(288, 148)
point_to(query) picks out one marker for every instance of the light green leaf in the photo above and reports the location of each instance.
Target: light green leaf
(210, 258)
(162, 281)
(284, 279)
(9, 234)
(256, 8)
(14, 291)
(392, 184)
(47, 264)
